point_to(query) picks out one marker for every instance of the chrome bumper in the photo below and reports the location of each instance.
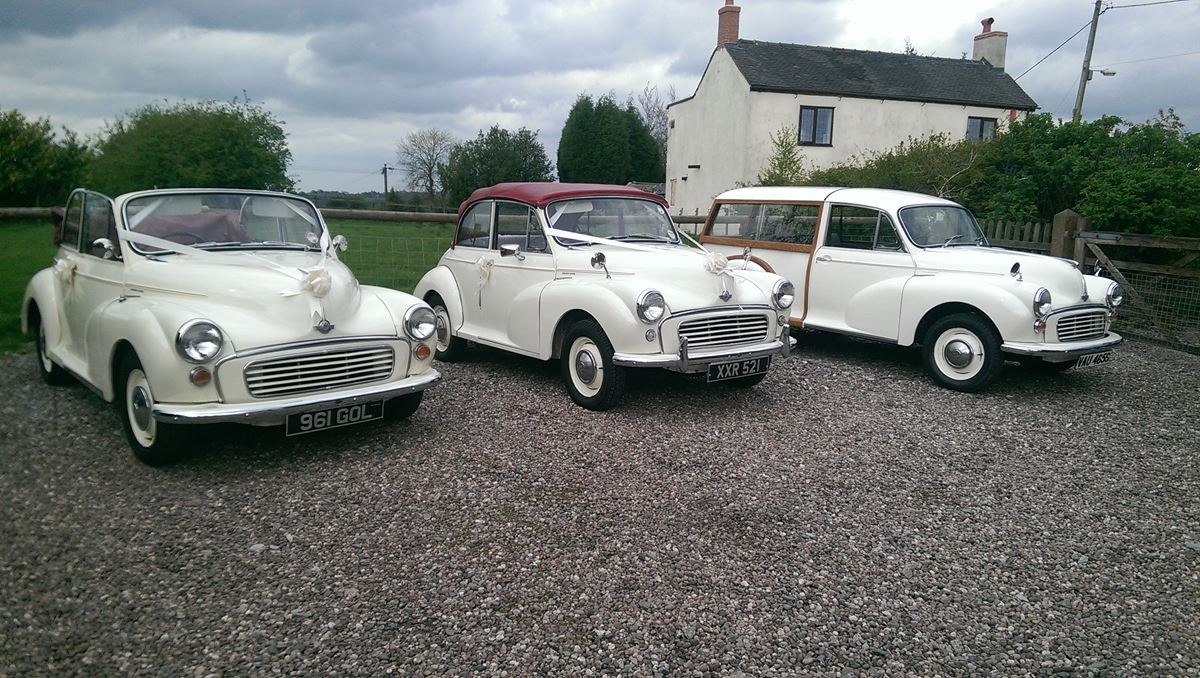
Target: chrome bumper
(686, 361)
(1058, 353)
(277, 410)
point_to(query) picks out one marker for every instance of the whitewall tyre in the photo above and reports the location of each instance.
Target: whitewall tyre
(962, 352)
(587, 368)
(153, 442)
(449, 347)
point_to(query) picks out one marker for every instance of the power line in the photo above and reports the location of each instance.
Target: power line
(1146, 4)
(1138, 61)
(1064, 42)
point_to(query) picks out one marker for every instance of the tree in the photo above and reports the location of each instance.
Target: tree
(786, 164)
(36, 167)
(605, 143)
(235, 144)
(492, 158)
(652, 109)
(420, 154)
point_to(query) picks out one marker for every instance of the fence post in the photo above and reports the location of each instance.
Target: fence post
(1066, 225)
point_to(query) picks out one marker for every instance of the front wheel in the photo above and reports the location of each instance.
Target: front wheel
(449, 347)
(154, 443)
(587, 367)
(50, 373)
(962, 352)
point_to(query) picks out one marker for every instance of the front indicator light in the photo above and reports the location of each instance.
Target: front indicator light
(200, 376)
(422, 351)
(1039, 325)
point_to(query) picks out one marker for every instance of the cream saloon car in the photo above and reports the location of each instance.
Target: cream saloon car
(597, 277)
(912, 269)
(203, 306)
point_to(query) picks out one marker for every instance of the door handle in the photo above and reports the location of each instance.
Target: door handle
(824, 257)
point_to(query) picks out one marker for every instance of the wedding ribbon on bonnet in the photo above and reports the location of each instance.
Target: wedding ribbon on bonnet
(314, 282)
(717, 264)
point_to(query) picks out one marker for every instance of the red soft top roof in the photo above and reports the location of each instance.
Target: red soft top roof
(543, 193)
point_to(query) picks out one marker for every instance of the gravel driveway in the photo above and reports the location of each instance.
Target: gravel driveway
(844, 517)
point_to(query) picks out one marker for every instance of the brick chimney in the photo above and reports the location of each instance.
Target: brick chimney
(991, 45)
(727, 23)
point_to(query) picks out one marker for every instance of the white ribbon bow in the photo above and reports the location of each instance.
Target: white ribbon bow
(718, 264)
(65, 270)
(485, 274)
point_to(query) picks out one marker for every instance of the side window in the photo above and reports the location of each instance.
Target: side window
(980, 129)
(788, 223)
(734, 221)
(518, 225)
(73, 221)
(887, 238)
(476, 227)
(98, 223)
(851, 227)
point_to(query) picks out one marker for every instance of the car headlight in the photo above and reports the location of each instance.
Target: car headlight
(1115, 296)
(199, 341)
(784, 294)
(419, 322)
(1041, 302)
(651, 306)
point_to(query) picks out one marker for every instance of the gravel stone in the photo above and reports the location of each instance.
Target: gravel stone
(844, 518)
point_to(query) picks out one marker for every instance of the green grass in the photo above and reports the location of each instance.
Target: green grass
(28, 248)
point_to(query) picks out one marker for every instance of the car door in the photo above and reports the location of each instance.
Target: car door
(97, 279)
(858, 274)
(510, 313)
(472, 247)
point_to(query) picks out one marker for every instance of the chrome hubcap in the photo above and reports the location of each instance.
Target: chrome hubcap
(957, 353)
(140, 405)
(585, 367)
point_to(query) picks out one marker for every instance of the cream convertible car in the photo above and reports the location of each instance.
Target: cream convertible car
(200, 306)
(909, 268)
(598, 277)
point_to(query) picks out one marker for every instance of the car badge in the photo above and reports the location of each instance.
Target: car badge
(324, 327)
(725, 295)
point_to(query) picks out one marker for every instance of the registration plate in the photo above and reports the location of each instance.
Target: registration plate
(311, 422)
(1093, 359)
(738, 369)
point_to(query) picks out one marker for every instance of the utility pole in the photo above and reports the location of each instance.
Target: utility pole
(384, 171)
(1086, 73)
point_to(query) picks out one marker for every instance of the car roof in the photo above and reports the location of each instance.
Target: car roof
(542, 193)
(885, 198)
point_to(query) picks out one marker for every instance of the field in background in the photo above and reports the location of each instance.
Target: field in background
(28, 248)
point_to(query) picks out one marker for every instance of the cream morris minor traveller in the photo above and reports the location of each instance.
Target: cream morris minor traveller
(598, 277)
(203, 306)
(912, 269)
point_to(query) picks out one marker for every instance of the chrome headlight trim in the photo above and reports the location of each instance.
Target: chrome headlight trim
(1042, 302)
(784, 294)
(651, 306)
(419, 322)
(199, 341)
(1115, 296)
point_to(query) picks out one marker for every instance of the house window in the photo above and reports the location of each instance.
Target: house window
(981, 129)
(816, 126)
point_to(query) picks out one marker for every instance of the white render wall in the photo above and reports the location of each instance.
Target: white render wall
(726, 129)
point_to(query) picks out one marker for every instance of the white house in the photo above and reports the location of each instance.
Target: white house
(842, 102)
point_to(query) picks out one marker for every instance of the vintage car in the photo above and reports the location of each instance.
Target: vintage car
(912, 269)
(202, 306)
(598, 277)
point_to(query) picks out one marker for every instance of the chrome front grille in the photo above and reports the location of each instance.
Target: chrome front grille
(1082, 327)
(315, 372)
(724, 330)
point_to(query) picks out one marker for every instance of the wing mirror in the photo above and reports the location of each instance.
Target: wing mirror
(601, 261)
(340, 243)
(103, 248)
(512, 251)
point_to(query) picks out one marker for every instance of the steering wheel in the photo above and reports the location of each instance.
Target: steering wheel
(195, 238)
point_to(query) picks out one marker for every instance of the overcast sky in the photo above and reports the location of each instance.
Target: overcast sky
(352, 78)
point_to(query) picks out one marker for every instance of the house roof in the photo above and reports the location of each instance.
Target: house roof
(807, 69)
(543, 193)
